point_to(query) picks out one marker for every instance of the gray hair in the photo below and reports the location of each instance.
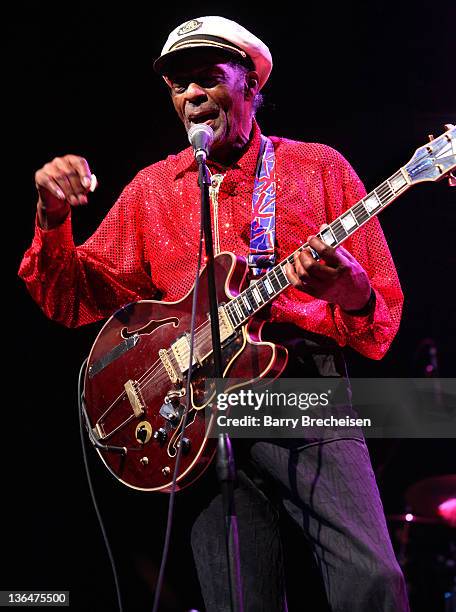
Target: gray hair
(244, 68)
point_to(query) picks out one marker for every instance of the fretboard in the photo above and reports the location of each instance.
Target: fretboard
(264, 290)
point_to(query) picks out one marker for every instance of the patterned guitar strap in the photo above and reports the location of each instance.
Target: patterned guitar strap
(262, 228)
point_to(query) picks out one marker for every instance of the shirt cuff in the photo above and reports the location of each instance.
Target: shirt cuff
(55, 239)
(367, 309)
(354, 325)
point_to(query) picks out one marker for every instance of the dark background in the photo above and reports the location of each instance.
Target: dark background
(370, 79)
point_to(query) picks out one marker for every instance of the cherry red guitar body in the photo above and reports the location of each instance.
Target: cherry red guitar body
(132, 398)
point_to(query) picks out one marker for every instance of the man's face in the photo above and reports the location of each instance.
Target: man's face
(217, 94)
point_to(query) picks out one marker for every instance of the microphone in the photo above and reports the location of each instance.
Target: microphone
(201, 137)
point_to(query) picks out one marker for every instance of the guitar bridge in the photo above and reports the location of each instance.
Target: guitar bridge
(98, 432)
(134, 395)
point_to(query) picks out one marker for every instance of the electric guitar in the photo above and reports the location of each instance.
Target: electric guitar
(134, 387)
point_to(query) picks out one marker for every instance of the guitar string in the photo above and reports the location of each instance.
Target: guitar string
(200, 337)
(356, 208)
(157, 372)
(150, 374)
(203, 332)
(382, 192)
(155, 365)
(156, 369)
(203, 335)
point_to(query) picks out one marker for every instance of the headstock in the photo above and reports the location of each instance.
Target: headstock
(435, 160)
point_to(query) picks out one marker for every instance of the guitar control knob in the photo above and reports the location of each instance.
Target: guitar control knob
(160, 435)
(166, 471)
(144, 461)
(185, 445)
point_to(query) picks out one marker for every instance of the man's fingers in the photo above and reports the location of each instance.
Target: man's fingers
(334, 257)
(70, 181)
(308, 268)
(63, 181)
(340, 250)
(346, 254)
(301, 262)
(82, 169)
(292, 275)
(67, 178)
(44, 181)
(326, 252)
(307, 286)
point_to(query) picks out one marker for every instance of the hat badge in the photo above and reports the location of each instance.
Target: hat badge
(190, 26)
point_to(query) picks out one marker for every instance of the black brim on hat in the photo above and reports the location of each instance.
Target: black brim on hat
(197, 48)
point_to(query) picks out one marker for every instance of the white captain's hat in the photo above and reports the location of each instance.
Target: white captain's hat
(220, 34)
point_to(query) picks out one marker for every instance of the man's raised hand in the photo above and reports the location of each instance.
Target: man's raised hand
(61, 183)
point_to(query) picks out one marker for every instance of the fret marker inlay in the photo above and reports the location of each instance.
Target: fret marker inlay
(256, 295)
(327, 236)
(348, 221)
(371, 202)
(239, 312)
(398, 181)
(268, 286)
(246, 302)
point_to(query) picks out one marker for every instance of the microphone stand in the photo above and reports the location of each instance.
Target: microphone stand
(225, 461)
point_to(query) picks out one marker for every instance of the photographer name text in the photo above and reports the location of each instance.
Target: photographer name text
(282, 422)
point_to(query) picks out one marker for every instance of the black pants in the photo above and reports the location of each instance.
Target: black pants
(329, 490)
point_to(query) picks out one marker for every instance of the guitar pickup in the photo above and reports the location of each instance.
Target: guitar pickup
(134, 395)
(226, 327)
(181, 352)
(170, 369)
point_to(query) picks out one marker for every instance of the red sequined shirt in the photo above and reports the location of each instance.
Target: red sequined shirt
(149, 241)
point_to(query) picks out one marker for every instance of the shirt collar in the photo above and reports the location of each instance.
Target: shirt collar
(247, 163)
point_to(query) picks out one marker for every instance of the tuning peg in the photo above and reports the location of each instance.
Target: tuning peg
(430, 137)
(449, 126)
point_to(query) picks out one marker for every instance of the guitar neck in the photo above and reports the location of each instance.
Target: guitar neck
(264, 290)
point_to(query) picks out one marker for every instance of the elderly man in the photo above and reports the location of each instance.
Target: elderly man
(148, 244)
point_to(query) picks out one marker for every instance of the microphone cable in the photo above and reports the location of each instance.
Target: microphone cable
(172, 495)
(92, 492)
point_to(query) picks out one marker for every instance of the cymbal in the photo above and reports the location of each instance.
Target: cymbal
(424, 497)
